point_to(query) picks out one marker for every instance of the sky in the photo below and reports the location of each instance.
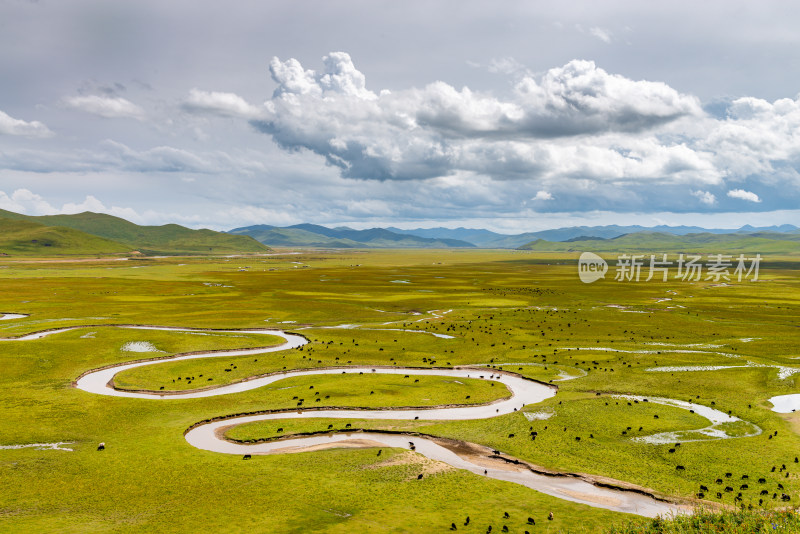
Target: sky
(512, 116)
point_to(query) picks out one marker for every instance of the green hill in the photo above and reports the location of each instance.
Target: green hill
(657, 242)
(20, 237)
(166, 239)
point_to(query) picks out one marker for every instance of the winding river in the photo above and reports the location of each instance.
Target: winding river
(492, 464)
(210, 436)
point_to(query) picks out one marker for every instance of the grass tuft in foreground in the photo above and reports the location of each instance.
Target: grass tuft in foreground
(706, 521)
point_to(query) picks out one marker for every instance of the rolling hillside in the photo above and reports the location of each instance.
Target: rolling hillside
(166, 239)
(20, 237)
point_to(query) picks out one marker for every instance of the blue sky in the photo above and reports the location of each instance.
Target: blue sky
(513, 116)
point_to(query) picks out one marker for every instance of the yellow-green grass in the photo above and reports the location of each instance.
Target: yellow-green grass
(320, 391)
(268, 430)
(572, 415)
(506, 306)
(331, 491)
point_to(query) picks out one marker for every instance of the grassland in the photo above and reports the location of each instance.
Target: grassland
(321, 391)
(520, 311)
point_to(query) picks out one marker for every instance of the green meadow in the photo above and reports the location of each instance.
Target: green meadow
(524, 312)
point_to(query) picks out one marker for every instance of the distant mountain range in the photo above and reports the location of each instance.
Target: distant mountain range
(488, 239)
(661, 242)
(312, 235)
(98, 233)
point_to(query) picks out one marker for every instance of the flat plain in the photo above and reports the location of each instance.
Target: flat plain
(730, 346)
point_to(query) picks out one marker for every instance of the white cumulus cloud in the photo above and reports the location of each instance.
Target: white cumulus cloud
(11, 126)
(438, 130)
(25, 201)
(757, 137)
(110, 107)
(542, 195)
(743, 195)
(706, 197)
(223, 104)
